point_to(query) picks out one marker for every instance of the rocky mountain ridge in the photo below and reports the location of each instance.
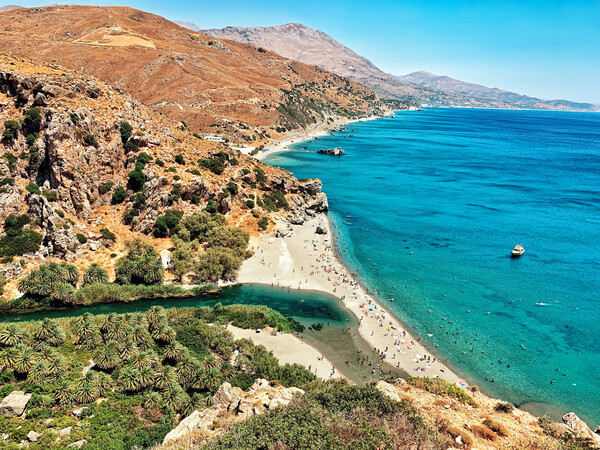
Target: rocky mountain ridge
(311, 46)
(451, 85)
(241, 92)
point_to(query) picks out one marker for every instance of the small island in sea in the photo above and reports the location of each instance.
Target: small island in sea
(179, 268)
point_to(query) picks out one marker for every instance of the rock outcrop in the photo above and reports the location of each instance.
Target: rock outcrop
(14, 404)
(331, 151)
(232, 404)
(580, 428)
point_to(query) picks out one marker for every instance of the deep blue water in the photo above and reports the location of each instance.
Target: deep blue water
(428, 206)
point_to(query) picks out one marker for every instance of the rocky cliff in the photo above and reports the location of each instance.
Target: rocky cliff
(65, 154)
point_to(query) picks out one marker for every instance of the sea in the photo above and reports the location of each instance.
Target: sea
(426, 207)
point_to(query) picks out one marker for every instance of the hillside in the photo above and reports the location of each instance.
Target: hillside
(451, 85)
(305, 44)
(80, 157)
(238, 90)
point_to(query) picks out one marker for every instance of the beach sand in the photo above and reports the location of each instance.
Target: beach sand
(287, 348)
(306, 260)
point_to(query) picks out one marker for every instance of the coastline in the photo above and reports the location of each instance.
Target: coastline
(320, 129)
(307, 260)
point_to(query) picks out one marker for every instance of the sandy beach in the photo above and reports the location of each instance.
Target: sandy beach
(289, 349)
(321, 129)
(306, 260)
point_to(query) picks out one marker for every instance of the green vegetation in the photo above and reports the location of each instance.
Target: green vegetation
(125, 128)
(119, 195)
(136, 176)
(442, 387)
(32, 121)
(95, 274)
(18, 240)
(105, 187)
(166, 223)
(33, 188)
(107, 234)
(11, 129)
(263, 223)
(53, 281)
(81, 238)
(217, 163)
(141, 265)
(179, 159)
(151, 368)
(91, 140)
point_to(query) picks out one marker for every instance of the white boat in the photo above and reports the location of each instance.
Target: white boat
(517, 251)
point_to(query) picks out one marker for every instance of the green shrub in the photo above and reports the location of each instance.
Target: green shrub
(33, 188)
(74, 118)
(11, 129)
(7, 181)
(211, 207)
(119, 195)
(442, 387)
(52, 196)
(107, 234)
(34, 160)
(232, 188)
(81, 238)
(32, 123)
(263, 223)
(250, 203)
(91, 140)
(260, 175)
(166, 223)
(105, 187)
(125, 128)
(179, 159)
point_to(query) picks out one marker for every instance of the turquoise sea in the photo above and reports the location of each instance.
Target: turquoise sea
(427, 206)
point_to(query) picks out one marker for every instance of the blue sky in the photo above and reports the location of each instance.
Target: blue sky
(549, 49)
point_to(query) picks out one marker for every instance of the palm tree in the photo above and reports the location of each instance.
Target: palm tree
(175, 352)
(154, 315)
(24, 360)
(11, 334)
(64, 392)
(173, 397)
(45, 353)
(165, 377)
(71, 274)
(62, 292)
(140, 336)
(110, 322)
(146, 376)
(39, 373)
(95, 274)
(128, 350)
(164, 333)
(212, 379)
(56, 365)
(9, 356)
(106, 356)
(129, 379)
(186, 370)
(153, 401)
(44, 329)
(210, 362)
(87, 392)
(105, 384)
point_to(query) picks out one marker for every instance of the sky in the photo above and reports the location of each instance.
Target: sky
(547, 49)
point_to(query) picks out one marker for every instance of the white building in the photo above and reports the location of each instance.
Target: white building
(214, 139)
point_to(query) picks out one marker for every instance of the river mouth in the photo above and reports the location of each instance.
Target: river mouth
(338, 339)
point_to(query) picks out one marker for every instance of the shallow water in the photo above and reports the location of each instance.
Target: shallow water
(428, 205)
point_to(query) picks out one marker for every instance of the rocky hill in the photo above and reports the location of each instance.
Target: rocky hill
(451, 85)
(80, 157)
(305, 44)
(238, 90)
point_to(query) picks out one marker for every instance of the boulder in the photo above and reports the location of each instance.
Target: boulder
(14, 404)
(321, 229)
(77, 444)
(79, 411)
(388, 390)
(65, 432)
(226, 394)
(332, 151)
(33, 436)
(580, 428)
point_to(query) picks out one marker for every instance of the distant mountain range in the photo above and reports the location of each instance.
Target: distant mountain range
(311, 46)
(451, 85)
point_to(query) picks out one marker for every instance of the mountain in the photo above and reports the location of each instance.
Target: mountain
(311, 46)
(451, 85)
(305, 44)
(211, 85)
(9, 8)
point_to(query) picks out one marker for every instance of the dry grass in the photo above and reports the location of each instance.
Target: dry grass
(483, 432)
(496, 426)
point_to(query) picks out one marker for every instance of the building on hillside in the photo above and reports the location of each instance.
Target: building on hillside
(165, 257)
(214, 139)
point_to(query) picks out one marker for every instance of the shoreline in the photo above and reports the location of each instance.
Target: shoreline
(320, 129)
(307, 260)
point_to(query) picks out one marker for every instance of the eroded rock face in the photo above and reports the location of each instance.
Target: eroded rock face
(580, 428)
(14, 404)
(234, 404)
